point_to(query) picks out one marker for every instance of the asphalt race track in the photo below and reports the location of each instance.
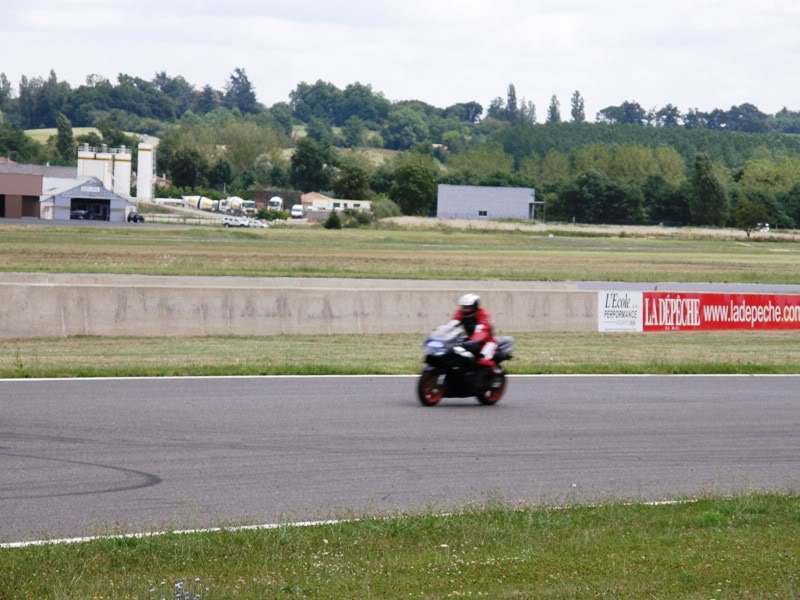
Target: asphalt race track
(84, 457)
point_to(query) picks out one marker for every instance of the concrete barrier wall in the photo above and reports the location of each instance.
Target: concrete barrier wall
(45, 309)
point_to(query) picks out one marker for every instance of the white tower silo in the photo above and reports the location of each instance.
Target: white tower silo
(122, 171)
(145, 172)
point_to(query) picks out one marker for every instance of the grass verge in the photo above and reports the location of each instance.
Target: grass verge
(744, 547)
(540, 353)
(392, 253)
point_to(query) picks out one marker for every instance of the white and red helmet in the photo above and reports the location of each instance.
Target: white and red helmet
(469, 304)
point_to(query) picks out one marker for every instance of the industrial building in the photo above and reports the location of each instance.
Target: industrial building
(21, 188)
(479, 202)
(85, 198)
(97, 189)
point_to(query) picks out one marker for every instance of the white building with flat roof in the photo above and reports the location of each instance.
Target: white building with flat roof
(484, 202)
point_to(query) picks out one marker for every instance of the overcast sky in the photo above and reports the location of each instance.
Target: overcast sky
(701, 53)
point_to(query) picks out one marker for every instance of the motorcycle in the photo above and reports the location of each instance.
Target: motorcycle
(452, 371)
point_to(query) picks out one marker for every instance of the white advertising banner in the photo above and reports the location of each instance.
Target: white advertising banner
(619, 311)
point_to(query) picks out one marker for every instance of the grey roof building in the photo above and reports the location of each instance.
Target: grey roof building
(42, 170)
(479, 202)
(84, 195)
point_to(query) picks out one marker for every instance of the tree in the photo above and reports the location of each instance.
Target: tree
(279, 176)
(221, 174)
(243, 141)
(382, 180)
(552, 171)
(527, 112)
(512, 109)
(666, 203)
(414, 189)
(354, 132)
(188, 168)
(748, 215)
(708, 202)
(320, 131)
(406, 128)
(27, 101)
(65, 142)
(497, 109)
(351, 183)
(482, 160)
(177, 89)
(282, 115)
(554, 110)
(239, 92)
(669, 116)
(578, 111)
(310, 166)
(596, 198)
(469, 112)
(746, 117)
(694, 119)
(791, 203)
(17, 146)
(358, 100)
(629, 113)
(321, 100)
(5, 91)
(93, 139)
(207, 100)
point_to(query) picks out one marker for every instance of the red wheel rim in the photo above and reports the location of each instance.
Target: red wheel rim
(495, 394)
(431, 392)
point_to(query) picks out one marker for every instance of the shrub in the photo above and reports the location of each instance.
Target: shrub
(355, 218)
(384, 207)
(272, 215)
(333, 221)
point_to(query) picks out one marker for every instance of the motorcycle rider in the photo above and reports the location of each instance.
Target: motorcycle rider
(477, 323)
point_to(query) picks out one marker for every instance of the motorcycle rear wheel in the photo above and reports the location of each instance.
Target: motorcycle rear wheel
(429, 391)
(494, 393)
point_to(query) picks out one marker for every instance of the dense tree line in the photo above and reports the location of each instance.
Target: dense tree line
(632, 165)
(147, 104)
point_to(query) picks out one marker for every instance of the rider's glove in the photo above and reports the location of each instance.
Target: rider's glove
(472, 346)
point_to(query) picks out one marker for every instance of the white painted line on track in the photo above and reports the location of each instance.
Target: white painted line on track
(149, 534)
(268, 526)
(204, 377)
(398, 376)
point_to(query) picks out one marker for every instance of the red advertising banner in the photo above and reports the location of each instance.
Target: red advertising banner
(665, 311)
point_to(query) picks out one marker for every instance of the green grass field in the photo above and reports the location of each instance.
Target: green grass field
(721, 549)
(42, 135)
(542, 353)
(392, 253)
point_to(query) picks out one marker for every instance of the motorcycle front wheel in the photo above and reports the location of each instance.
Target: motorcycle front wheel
(429, 390)
(496, 391)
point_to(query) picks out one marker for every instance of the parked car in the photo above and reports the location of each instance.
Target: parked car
(135, 217)
(231, 221)
(297, 211)
(257, 223)
(79, 215)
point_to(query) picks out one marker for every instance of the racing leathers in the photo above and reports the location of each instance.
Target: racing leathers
(481, 342)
